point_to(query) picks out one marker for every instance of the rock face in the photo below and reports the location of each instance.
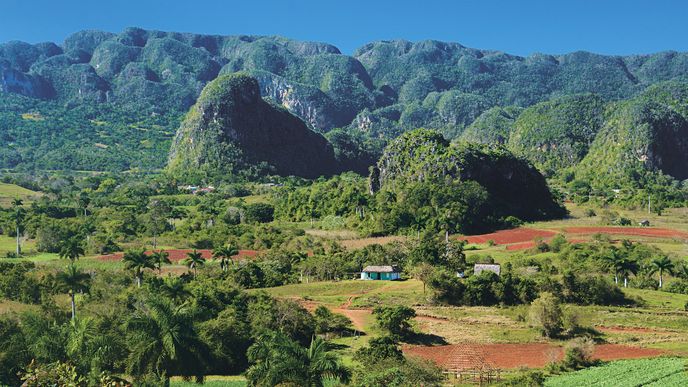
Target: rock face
(515, 187)
(231, 129)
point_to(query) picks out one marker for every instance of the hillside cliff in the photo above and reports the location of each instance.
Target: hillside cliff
(231, 129)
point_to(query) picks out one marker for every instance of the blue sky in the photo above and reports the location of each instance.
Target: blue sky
(515, 26)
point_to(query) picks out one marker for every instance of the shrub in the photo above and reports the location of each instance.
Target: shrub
(259, 213)
(395, 319)
(578, 354)
(546, 315)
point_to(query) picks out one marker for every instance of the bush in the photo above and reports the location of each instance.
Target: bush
(395, 320)
(578, 355)
(529, 379)
(545, 314)
(259, 213)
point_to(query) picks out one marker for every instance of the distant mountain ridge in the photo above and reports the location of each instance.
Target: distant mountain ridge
(384, 87)
(125, 94)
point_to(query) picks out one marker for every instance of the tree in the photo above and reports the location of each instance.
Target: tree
(164, 342)
(72, 281)
(627, 266)
(661, 264)
(279, 360)
(175, 289)
(259, 213)
(545, 314)
(18, 214)
(395, 319)
(224, 254)
(612, 260)
(424, 273)
(71, 249)
(160, 258)
(193, 260)
(156, 219)
(137, 261)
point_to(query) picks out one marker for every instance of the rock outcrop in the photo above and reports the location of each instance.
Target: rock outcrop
(232, 130)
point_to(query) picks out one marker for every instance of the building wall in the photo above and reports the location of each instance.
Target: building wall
(380, 276)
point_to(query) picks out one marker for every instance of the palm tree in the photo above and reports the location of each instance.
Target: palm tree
(224, 254)
(72, 249)
(19, 214)
(175, 289)
(611, 261)
(72, 281)
(626, 267)
(661, 264)
(193, 260)
(160, 258)
(164, 342)
(137, 261)
(277, 359)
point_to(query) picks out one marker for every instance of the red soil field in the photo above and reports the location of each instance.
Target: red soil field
(635, 231)
(178, 255)
(510, 356)
(505, 237)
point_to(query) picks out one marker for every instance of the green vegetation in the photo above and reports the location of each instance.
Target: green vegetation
(650, 372)
(231, 130)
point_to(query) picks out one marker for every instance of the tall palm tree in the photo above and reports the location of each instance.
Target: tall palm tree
(72, 249)
(224, 254)
(277, 359)
(164, 342)
(611, 261)
(18, 213)
(137, 261)
(626, 267)
(193, 260)
(661, 264)
(72, 281)
(175, 289)
(160, 258)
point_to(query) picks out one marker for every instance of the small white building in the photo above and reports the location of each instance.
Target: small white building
(384, 273)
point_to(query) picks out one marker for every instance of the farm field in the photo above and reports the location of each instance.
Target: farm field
(665, 372)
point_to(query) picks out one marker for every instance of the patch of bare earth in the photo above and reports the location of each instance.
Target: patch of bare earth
(511, 356)
(359, 243)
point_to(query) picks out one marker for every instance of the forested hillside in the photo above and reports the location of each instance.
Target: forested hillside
(106, 101)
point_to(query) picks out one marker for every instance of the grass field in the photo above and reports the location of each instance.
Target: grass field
(8, 192)
(665, 372)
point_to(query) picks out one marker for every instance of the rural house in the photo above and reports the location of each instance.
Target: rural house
(385, 273)
(481, 267)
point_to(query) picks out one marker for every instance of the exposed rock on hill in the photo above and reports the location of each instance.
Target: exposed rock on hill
(231, 129)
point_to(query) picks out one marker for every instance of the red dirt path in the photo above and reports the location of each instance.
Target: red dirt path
(509, 356)
(178, 255)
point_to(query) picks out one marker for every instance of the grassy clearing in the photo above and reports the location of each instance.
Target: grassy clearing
(8, 192)
(659, 299)
(7, 306)
(9, 244)
(328, 293)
